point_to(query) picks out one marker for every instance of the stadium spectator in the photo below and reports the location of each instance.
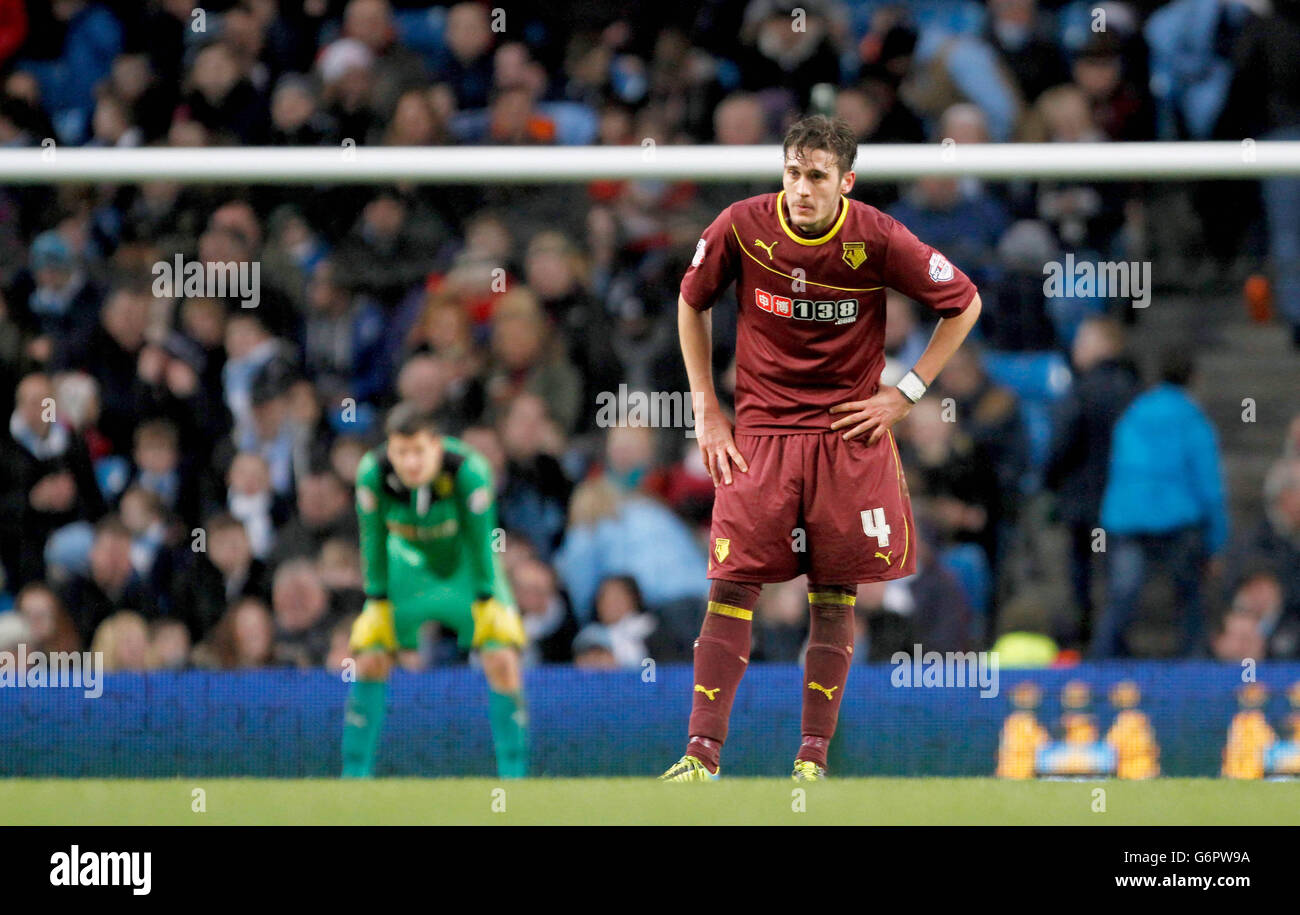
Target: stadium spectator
(552, 270)
(46, 480)
(55, 300)
(339, 568)
(1018, 316)
(963, 219)
(13, 631)
(122, 640)
(1086, 216)
(143, 514)
(271, 431)
(343, 340)
(110, 352)
(371, 23)
(993, 419)
(593, 649)
(92, 37)
(50, 629)
(248, 496)
(550, 625)
(954, 479)
(157, 460)
(325, 511)
(1238, 638)
(218, 576)
(345, 454)
(249, 346)
(1260, 597)
(611, 533)
(535, 489)
(1273, 545)
(684, 485)
(1164, 504)
(1020, 36)
(245, 638)
(297, 118)
(302, 615)
(777, 54)
(467, 64)
(621, 614)
(1120, 106)
(219, 95)
(169, 645)
(527, 357)
(111, 584)
(345, 69)
(1105, 383)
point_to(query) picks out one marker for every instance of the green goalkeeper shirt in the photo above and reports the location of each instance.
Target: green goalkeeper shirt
(446, 529)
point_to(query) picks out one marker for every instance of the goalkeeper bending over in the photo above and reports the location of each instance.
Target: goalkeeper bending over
(427, 520)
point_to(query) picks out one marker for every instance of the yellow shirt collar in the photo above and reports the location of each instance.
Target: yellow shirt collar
(800, 239)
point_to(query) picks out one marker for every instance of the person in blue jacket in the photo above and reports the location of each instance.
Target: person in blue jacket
(1163, 505)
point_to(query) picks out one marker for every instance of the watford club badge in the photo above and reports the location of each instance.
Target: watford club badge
(855, 252)
(721, 549)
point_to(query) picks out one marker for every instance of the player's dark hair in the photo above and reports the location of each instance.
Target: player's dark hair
(821, 132)
(408, 419)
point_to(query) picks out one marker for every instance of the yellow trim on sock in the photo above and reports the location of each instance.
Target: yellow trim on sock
(739, 613)
(832, 597)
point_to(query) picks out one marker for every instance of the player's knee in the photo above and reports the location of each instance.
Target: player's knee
(501, 667)
(373, 665)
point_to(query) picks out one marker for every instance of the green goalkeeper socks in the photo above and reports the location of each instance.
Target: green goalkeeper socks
(509, 721)
(363, 719)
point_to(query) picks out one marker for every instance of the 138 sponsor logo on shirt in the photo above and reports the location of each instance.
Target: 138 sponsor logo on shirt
(833, 311)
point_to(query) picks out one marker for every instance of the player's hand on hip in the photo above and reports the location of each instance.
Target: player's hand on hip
(876, 415)
(718, 448)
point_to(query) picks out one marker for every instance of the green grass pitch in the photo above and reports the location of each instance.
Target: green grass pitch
(737, 801)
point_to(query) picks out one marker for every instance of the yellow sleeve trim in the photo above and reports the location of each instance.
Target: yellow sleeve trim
(739, 613)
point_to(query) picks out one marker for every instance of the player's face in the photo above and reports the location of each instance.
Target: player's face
(416, 458)
(813, 185)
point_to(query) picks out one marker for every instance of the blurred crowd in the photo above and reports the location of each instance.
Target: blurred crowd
(176, 470)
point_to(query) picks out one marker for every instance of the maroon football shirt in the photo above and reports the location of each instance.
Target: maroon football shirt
(811, 328)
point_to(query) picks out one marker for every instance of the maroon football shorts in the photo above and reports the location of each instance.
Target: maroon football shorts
(817, 504)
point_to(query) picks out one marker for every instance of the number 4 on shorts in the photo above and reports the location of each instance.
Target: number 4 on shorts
(873, 525)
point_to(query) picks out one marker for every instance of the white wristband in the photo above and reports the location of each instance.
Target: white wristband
(912, 386)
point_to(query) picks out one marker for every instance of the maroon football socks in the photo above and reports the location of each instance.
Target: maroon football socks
(826, 666)
(721, 656)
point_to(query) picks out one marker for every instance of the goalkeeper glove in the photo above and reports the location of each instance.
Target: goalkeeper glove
(374, 627)
(496, 622)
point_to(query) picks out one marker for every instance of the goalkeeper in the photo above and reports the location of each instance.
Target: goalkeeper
(427, 521)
